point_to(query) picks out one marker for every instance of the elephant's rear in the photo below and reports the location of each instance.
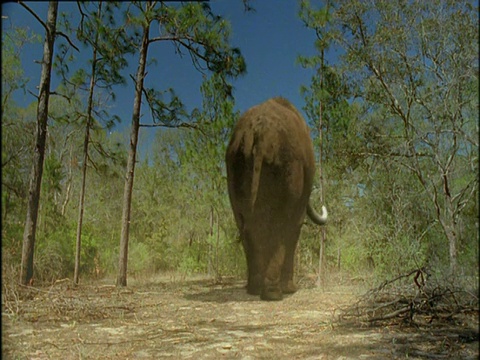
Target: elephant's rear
(270, 169)
(270, 160)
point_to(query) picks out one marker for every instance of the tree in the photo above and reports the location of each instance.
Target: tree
(108, 44)
(191, 28)
(15, 143)
(205, 153)
(413, 67)
(26, 271)
(317, 111)
(132, 154)
(13, 79)
(180, 204)
(334, 127)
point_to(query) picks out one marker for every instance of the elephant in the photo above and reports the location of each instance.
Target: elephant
(270, 168)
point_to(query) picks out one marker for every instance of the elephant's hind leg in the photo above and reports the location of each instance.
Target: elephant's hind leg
(272, 289)
(287, 282)
(255, 265)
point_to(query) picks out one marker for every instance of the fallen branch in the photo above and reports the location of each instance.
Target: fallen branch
(391, 315)
(410, 298)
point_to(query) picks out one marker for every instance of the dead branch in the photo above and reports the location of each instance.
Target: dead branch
(391, 315)
(411, 298)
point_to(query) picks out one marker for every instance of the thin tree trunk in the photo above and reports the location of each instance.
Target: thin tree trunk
(127, 194)
(217, 245)
(5, 206)
(339, 258)
(452, 233)
(81, 203)
(78, 242)
(211, 266)
(452, 239)
(69, 183)
(26, 269)
(451, 228)
(323, 233)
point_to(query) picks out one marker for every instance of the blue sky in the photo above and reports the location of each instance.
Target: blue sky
(270, 39)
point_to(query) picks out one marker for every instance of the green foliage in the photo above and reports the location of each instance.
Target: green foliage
(141, 259)
(204, 35)
(399, 116)
(13, 79)
(54, 253)
(180, 208)
(18, 128)
(396, 124)
(192, 261)
(17, 141)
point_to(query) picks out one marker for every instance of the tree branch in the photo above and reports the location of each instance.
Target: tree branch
(34, 14)
(45, 25)
(68, 39)
(181, 125)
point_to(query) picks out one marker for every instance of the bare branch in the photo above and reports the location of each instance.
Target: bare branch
(390, 315)
(68, 39)
(62, 95)
(411, 300)
(34, 14)
(45, 25)
(31, 93)
(174, 126)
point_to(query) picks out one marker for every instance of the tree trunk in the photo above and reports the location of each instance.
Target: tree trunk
(127, 194)
(81, 203)
(451, 231)
(321, 275)
(452, 239)
(217, 245)
(323, 233)
(26, 269)
(78, 243)
(339, 258)
(69, 183)
(211, 266)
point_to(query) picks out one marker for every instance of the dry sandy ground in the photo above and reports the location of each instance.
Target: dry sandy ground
(196, 319)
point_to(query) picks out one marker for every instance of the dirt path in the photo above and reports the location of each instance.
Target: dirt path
(197, 320)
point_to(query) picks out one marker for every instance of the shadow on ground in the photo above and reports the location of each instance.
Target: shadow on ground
(413, 342)
(222, 294)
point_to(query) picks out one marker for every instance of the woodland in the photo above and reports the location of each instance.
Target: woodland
(394, 122)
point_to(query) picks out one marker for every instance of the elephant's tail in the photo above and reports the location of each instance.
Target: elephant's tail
(256, 171)
(315, 217)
